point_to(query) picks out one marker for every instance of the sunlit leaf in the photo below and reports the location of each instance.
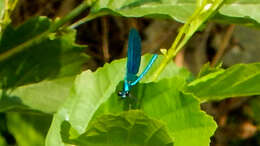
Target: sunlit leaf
(45, 96)
(91, 90)
(179, 10)
(242, 9)
(238, 80)
(165, 101)
(237, 11)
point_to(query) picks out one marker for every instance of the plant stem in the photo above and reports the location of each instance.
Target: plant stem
(174, 49)
(75, 12)
(87, 18)
(201, 14)
(226, 39)
(5, 14)
(105, 44)
(22, 46)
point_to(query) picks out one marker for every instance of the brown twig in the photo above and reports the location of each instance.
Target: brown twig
(65, 8)
(179, 59)
(105, 39)
(224, 45)
(133, 23)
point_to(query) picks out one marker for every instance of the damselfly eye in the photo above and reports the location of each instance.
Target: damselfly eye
(126, 93)
(120, 93)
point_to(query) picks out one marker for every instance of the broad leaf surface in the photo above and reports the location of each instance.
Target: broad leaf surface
(243, 9)
(179, 10)
(56, 60)
(238, 80)
(176, 9)
(179, 111)
(91, 90)
(52, 57)
(128, 128)
(45, 96)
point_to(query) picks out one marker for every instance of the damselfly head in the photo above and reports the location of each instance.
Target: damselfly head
(123, 94)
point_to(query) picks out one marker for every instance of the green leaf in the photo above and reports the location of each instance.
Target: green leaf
(28, 130)
(128, 128)
(180, 112)
(45, 96)
(56, 60)
(179, 10)
(238, 80)
(91, 90)
(242, 9)
(236, 11)
(53, 57)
